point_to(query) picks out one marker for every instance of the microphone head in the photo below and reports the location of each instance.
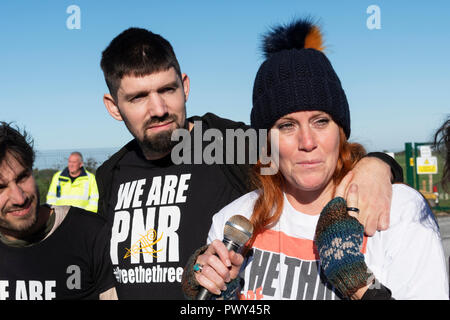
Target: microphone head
(238, 229)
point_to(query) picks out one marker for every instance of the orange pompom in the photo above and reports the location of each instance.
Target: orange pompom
(314, 40)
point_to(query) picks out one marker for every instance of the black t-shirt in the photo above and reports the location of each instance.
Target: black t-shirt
(161, 213)
(71, 263)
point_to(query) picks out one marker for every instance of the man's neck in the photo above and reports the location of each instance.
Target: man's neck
(152, 155)
(75, 175)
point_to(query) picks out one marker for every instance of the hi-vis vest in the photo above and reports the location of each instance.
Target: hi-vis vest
(81, 193)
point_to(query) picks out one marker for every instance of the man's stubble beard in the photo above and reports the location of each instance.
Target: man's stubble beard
(25, 226)
(160, 144)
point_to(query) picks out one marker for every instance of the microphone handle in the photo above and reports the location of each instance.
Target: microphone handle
(204, 294)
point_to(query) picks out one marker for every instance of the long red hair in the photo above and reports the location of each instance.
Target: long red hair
(269, 205)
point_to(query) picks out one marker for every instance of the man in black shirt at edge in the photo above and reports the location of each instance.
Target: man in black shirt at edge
(46, 252)
(159, 211)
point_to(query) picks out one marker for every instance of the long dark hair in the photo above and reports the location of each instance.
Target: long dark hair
(442, 145)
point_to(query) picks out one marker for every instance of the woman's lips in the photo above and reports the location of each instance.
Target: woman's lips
(310, 163)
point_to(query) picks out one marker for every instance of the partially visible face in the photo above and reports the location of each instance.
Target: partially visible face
(19, 200)
(308, 149)
(153, 106)
(74, 165)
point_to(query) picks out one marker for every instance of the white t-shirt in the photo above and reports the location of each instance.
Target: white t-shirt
(408, 258)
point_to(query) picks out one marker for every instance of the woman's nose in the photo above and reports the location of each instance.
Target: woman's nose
(307, 141)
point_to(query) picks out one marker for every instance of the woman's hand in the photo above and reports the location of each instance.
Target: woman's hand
(339, 238)
(218, 267)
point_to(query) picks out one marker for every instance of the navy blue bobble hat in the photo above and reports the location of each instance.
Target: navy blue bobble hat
(296, 76)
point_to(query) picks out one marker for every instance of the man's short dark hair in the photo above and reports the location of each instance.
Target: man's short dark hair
(17, 144)
(136, 52)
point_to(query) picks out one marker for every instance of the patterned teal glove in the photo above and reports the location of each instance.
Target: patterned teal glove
(339, 239)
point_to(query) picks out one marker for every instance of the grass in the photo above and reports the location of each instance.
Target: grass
(43, 179)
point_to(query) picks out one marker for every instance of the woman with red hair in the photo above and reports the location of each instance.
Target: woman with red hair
(308, 242)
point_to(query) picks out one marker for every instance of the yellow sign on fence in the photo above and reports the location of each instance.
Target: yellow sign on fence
(427, 165)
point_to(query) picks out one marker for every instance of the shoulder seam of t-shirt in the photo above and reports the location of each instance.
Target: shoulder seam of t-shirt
(60, 213)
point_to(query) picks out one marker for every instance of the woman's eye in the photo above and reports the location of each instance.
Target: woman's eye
(285, 126)
(321, 122)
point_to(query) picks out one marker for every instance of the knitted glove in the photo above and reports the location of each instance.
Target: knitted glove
(189, 283)
(339, 239)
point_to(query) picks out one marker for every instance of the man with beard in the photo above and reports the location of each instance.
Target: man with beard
(46, 252)
(159, 211)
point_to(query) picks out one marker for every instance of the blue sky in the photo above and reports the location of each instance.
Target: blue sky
(396, 78)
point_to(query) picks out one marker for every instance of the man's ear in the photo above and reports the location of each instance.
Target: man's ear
(112, 107)
(186, 85)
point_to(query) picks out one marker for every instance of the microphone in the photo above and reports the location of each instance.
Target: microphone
(237, 231)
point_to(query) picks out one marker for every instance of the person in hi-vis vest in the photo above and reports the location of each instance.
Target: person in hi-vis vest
(74, 186)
